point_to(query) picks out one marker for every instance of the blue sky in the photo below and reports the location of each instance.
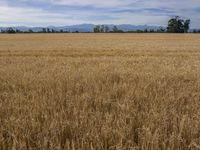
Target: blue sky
(69, 12)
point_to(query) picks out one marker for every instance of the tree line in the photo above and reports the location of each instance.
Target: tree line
(114, 29)
(175, 25)
(44, 30)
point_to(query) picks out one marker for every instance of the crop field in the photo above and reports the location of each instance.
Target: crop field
(99, 91)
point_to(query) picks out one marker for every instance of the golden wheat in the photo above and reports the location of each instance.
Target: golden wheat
(99, 91)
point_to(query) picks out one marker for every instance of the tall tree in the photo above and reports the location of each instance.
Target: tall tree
(186, 25)
(178, 25)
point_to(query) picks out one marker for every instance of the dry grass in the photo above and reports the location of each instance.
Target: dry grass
(100, 91)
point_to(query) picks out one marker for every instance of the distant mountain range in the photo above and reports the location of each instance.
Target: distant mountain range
(86, 28)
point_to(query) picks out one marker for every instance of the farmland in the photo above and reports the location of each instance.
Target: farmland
(99, 91)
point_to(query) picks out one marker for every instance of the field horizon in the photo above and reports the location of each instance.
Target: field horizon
(100, 91)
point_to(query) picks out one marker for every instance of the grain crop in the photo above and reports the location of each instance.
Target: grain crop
(99, 91)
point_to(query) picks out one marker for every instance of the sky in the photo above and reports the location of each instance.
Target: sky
(70, 12)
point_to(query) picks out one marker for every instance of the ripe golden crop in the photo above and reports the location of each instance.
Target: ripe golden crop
(99, 91)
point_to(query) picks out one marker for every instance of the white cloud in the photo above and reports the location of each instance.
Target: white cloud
(34, 12)
(31, 17)
(95, 3)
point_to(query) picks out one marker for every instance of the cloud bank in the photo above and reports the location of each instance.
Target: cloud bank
(68, 12)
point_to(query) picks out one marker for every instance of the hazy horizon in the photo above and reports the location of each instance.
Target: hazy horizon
(80, 25)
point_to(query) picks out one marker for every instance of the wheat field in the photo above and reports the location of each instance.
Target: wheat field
(100, 92)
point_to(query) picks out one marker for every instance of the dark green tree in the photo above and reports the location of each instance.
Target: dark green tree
(48, 30)
(115, 29)
(151, 31)
(18, 31)
(178, 25)
(97, 29)
(30, 31)
(106, 29)
(161, 29)
(10, 30)
(44, 30)
(173, 25)
(186, 25)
